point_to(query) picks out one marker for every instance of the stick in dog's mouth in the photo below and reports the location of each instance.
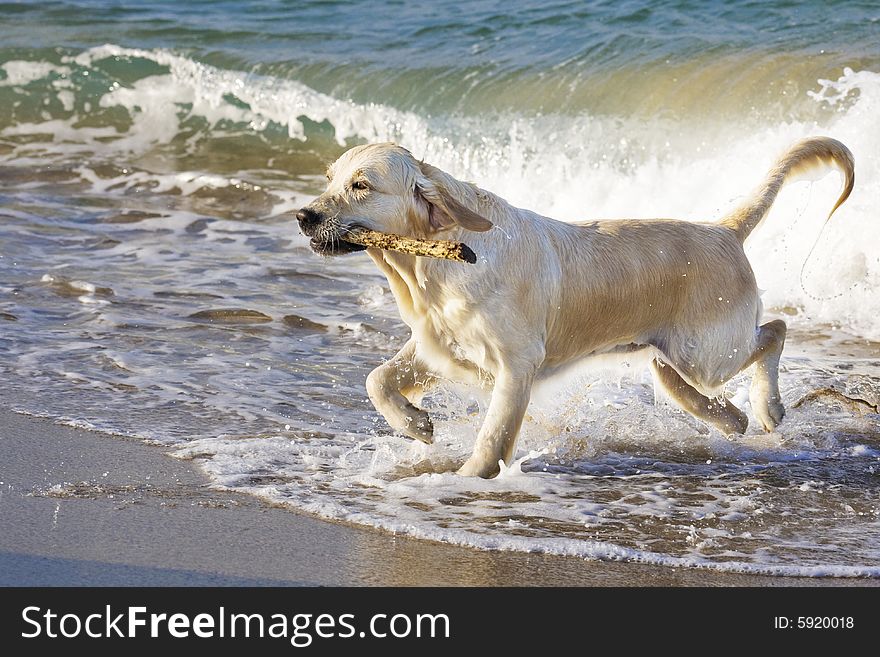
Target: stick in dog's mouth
(445, 249)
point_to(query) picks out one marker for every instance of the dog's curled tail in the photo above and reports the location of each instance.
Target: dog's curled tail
(802, 158)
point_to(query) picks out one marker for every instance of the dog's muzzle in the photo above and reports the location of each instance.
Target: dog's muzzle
(323, 242)
(334, 246)
(309, 221)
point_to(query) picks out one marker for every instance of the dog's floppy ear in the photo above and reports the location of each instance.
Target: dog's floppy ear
(443, 209)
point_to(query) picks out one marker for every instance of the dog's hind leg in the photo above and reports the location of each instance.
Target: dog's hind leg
(764, 391)
(391, 386)
(722, 415)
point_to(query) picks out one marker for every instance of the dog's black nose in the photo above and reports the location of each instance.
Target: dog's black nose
(308, 219)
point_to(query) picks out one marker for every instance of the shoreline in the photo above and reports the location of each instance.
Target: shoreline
(82, 508)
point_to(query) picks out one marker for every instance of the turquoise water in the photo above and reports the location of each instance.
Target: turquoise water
(153, 283)
(470, 56)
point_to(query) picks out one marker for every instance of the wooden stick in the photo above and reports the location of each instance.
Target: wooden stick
(446, 249)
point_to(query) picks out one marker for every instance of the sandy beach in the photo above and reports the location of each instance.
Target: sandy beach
(85, 508)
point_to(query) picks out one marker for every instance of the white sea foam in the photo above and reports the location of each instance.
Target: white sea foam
(419, 507)
(596, 459)
(270, 99)
(20, 73)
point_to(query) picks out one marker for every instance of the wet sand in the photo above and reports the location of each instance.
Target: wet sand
(86, 508)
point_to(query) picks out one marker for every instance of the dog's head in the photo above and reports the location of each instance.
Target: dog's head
(384, 188)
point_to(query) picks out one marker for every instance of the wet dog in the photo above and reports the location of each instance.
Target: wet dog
(546, 293)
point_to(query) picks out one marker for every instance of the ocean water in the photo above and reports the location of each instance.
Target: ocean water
(154, 284)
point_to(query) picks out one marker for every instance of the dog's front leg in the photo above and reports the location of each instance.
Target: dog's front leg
(497, 438)
(386, 385)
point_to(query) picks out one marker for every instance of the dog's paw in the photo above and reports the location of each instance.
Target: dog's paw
(736, 421)
(771, 415)
(766, 405)
(418, 426)
(475, 467)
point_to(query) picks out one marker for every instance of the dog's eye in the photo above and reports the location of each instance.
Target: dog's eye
(359, 185)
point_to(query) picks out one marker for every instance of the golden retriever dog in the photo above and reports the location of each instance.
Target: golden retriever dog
(545, 294)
